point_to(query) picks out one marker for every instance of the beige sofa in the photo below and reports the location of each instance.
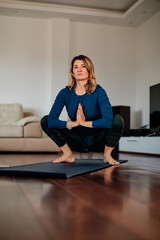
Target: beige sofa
(22, 132)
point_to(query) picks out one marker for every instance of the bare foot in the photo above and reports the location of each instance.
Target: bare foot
(110, 160)
(65, 158)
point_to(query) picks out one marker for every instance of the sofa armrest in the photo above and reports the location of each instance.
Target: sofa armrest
(22, 122)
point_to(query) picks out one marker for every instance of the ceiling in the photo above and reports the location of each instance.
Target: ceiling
(117, 12)
(116, 5)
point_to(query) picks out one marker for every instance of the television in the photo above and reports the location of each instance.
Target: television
(155, 108)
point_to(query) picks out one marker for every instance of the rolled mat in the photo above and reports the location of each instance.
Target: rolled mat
(57, 170)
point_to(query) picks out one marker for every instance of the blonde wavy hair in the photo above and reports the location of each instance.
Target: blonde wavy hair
(91, 84)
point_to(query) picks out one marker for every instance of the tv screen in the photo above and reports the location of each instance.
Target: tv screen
(155, 106)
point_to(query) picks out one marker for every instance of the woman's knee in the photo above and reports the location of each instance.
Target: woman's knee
(44, 121)
(118, 122)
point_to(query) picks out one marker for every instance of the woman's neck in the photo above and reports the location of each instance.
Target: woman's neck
(80, 87)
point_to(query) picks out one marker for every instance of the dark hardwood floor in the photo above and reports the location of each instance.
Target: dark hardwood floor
(114, 203)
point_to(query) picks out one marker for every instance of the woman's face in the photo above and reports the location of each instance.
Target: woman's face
(80, 71)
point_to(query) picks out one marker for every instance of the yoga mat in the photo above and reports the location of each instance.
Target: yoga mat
(57, 170)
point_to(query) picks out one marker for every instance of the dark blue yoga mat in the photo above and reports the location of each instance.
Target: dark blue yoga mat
(57, 170)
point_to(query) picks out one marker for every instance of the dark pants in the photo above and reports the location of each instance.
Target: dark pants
(84, 142)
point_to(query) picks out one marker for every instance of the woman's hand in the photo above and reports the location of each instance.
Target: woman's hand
(80, 115)
(81, 119)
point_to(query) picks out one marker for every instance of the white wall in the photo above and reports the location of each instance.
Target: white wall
(112, 50)
(60, 38)
(25, 63)
(34, 61)
(147, 65)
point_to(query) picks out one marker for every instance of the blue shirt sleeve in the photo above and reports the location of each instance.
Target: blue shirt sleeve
(106, 121)
(53, 117)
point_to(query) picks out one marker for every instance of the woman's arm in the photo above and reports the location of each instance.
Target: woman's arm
(53, 118)
(106, 121)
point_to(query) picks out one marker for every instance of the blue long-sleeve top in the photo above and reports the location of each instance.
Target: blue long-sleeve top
(96, 108)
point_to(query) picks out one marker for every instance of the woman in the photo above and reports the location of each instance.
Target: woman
(91, 126)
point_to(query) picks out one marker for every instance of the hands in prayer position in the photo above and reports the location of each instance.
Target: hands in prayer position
(80, 119)
(80, 115)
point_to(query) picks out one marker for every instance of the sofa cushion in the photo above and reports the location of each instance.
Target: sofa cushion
(11, 131)
(33, 130)
(10, 113)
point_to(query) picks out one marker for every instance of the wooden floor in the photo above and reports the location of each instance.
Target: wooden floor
(114, 203)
